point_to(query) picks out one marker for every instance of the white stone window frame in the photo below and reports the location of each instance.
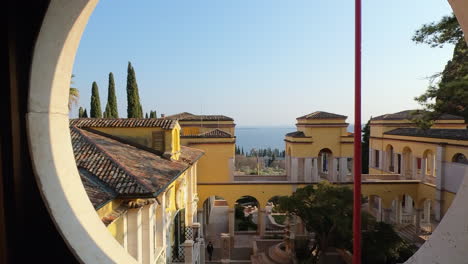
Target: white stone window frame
(55, 167)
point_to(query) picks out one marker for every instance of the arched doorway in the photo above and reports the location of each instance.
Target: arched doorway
(389, 158)
(407, 170)
(326, 167)
(215, 218)
(246, 215)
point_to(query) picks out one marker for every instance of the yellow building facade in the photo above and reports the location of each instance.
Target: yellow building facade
(143, 185)
(436, 158)
(320, 148)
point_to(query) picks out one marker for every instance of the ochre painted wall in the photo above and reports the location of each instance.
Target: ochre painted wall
(214, 165)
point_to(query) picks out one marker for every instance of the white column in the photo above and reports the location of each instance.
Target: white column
(332, 170)
(315, 174)
(384, 160)
(414, 175)
(398, 211)
(308, 170)
(148, 219)
(231, 223)
(395, 162)
(423, 169)
(386, 215)
(135, 234)
(381, 160)
(288, 167)
(294, 169)
(408, 204)
(125, 231)
(343, 169)
(418, 212)
(440, 151)
(261, 222)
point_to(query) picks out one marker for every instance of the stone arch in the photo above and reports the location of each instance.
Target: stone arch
(56, 171)
(407, 162)
(460, 158)
(390, 156)
(246, 214)
(215, 217)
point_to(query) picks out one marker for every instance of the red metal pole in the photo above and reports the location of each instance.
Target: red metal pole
(357, 136)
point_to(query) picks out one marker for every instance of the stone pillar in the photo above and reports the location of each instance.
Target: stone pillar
(261, 222)
(231, 222)
(287, 160)
(427, 211)
(380, 210)
(398, 211)
(395, 162)
(381, 160)
(225, 248)
(188, 251)
(148, 219)
(414, 175)
(308, 170)
(418, 212)
(315, 174)
(439, 174)
(125, 231)
(386, 215)
(408, 204)
(423, 169)
(294, 169)
(343, 169)
(332, 168)
(202, 250)
(135, 234)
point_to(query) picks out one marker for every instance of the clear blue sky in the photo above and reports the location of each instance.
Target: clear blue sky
(262, 62)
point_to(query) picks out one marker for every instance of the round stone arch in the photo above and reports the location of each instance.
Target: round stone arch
(55, 168)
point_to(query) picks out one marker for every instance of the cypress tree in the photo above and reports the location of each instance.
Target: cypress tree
(95, 102)
(85, 113)
(134, 108)
(146, 116)
(80, 112)
(153, 114)
(111, 107)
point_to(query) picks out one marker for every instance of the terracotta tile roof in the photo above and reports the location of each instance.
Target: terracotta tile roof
(190, 155)
(322, 115)
(125, 168)
(185, 116)
(455, 134)
(123, 122)
(98, 192)
(410, 114)
(296, 134)
(215, 133)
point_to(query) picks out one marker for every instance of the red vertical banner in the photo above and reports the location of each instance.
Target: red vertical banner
(357, 135)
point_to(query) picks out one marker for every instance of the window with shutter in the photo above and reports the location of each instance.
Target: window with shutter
(158, 140)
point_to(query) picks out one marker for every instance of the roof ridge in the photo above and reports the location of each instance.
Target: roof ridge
(117, 163)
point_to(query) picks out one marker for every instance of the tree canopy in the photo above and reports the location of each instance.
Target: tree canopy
(448, 90)
(95, 111)
(134, 108)
(111, 107)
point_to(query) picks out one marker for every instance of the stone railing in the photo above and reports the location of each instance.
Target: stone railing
(260, 178)
(189, 251)
(382, 177)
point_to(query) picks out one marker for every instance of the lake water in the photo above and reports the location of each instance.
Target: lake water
(264, 137)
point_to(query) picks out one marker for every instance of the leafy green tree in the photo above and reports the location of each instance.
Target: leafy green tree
(80, 112)
(73, 95)
(95, 102)
(111, 106)
(326, 210)
(85, 113)
(134, 108)
(365, 148)
(448, 90)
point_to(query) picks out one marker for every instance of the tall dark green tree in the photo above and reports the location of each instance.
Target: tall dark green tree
(153, 114)
(448, 90)
(95, 111)
(134, 108)
(111, 107)
(365, 148)
(80, 112)
(85, 113)
(146, 115)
